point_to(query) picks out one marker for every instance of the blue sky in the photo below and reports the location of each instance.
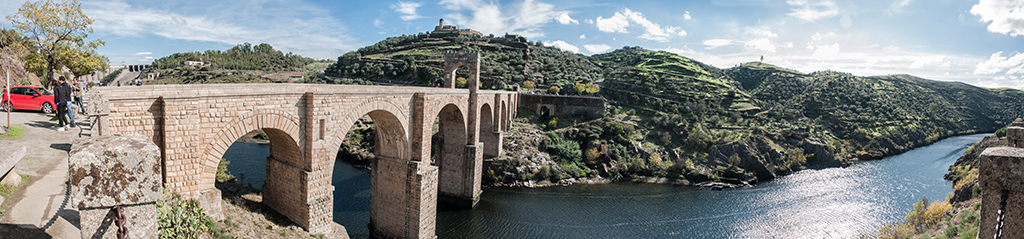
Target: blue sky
(974, 41)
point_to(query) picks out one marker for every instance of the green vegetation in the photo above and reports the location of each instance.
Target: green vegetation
(506, 60)
(14, 133)
(57, 33)
(179, 218)
(243, 63)
(6, 189)
(110, 77)
(223, 175)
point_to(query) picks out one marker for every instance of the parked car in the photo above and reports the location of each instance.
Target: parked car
(28, 98)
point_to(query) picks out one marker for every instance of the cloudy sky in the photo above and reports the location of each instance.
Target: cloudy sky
(974, 41)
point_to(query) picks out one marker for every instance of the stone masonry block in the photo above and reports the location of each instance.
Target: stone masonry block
(140, 221)
(1002, 168)
(107, 171)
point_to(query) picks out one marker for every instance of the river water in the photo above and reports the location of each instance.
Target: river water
(825, 203)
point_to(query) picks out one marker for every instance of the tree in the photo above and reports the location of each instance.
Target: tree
(58, 32)
(13, 47)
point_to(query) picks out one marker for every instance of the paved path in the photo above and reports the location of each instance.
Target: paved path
(40, 208)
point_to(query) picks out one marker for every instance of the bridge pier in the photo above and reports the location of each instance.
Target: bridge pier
(404, 199)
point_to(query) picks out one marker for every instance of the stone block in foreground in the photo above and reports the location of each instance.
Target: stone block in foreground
(116, 171)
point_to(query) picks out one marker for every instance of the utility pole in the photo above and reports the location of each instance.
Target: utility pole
(8, 89)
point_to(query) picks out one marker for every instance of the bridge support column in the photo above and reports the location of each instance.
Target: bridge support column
(404, 199)
(1002, 195)
(467, 192)
(492, 143)
(285, 191)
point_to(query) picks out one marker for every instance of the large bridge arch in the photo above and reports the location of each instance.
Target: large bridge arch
(282, 129)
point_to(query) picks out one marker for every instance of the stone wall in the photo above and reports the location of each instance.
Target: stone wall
(1002, 182)
(557, 105)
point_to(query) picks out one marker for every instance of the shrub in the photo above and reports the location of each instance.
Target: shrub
(562, 150)
(552, 124)
(925, 215)
(529, 84)
(1001, 132)
(180, 218)
(223, 175)
(554, 89)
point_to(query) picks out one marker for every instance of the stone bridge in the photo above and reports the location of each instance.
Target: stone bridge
(306, 123)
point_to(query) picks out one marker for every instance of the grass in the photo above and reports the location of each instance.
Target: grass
(6, 189)
(14, 133)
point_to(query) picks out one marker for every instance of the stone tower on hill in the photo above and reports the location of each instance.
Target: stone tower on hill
(442, 30)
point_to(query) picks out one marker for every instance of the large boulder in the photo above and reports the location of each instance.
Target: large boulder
(113, 175)
(107, 171)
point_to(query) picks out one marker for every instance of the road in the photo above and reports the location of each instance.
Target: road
(40, 207)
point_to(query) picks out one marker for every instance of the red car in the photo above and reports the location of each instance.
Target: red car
(29, 98)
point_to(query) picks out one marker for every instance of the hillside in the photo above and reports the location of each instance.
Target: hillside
(419, 60)
(886, 114)
(669, 115)
(243, 63)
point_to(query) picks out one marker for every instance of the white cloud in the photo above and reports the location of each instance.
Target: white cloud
(787, 44)
(597, 48)
(1011, 64)
(143, 53)
(715, 43)
(813, 11)
(407, 10)
(826, 52)
(687, 15)
(584, 36)
(685, 51)
(897, 7)
(652, 31)
(761, 44)
(564, 46)
(1007, 16)
(315, 34)
(524, 18)
(564, 19)
(759, 39)
(616, 23)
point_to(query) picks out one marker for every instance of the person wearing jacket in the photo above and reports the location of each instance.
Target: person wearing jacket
(62, 95)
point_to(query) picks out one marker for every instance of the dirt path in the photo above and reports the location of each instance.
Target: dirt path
(40, 207)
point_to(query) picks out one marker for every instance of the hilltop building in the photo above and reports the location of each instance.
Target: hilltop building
(442, 30)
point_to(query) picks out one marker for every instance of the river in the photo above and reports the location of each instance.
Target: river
(822, 203)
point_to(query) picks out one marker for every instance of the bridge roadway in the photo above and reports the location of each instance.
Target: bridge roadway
(306, 123)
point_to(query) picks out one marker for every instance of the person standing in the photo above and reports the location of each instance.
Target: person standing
(62, 95)
(79, 89)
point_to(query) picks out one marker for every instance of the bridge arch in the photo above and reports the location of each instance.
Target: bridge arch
(281, 127)
(453, 166)
(487, 129)
(454, 60)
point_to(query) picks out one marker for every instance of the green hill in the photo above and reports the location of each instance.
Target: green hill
(243, 63)
(419, 60)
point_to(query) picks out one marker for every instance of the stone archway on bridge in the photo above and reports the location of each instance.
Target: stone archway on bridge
(454, 60)
(487, 130)
(455, 181)
(282, 129)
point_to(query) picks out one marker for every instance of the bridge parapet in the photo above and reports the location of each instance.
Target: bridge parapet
(1002, 182)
